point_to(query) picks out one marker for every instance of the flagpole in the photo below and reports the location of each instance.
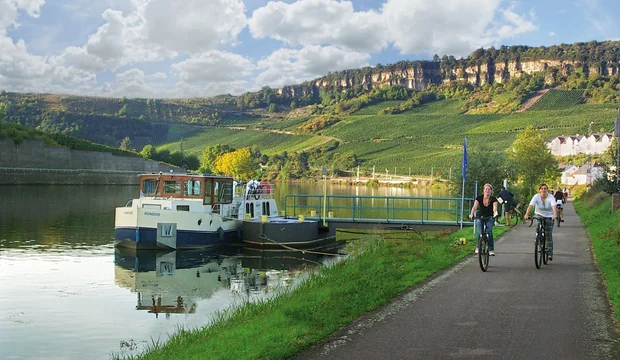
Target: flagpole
(462, 202)
(463, 175)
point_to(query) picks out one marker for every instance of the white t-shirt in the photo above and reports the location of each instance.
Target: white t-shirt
(543, 208)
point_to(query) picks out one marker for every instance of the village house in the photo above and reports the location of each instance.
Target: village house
(580, 144)
(586, 174)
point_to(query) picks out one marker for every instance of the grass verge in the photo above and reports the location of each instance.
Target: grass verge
(389, 263)
(603, 227)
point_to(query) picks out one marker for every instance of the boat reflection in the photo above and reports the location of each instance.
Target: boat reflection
(176, 282)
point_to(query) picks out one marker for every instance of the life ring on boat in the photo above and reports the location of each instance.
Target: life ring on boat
(264, 189)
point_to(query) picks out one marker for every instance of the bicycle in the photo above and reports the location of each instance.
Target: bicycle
(483, 244)
(540, 251)
(559, 218)
(515, 215)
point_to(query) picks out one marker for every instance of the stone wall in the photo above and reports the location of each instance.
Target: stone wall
(32, 162)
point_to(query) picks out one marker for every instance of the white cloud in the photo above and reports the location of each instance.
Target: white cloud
(452, 27)
(213, 66)
(158, 76)
(192, 25)
(516, 25)
(447, 27)
(156, 30)
(552, 33)
(318, 22)
(290, 67)
(9, 11)
(22, 71)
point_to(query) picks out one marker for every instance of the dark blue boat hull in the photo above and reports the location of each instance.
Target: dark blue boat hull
(147, 238)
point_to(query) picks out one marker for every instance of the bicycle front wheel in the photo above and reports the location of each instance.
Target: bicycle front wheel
(558, 220)
(538, 251)
(513, 218)
(483, 254)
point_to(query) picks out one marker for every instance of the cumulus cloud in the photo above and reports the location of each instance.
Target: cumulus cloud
(451, 26)
(317, 22)
(22, 71)
(289, 66)
(192, 25)
(156, 30)
(213, 66)
(158, 76)
(9, 11)
(448, 27)
(134, 83)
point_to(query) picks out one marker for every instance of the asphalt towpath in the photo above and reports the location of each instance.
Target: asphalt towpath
(513, 311)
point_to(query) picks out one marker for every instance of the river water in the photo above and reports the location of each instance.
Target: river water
(67, 293)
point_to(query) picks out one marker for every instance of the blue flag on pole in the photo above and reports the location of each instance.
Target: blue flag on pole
(464, 158)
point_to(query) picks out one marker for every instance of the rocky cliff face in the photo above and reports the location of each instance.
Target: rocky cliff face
(420, 75)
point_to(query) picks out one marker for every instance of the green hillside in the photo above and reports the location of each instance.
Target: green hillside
(424, 139)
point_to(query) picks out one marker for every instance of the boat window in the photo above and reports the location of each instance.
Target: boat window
(148, 186)
(172, 187)
(192, 188)
(266, 208)
(151, 206)
(182, 207)
(208, 191)
(223, 192)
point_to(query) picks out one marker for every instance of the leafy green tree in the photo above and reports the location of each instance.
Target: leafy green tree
(210, 154)
(177, 158)
(2, 112)
(485, 166)
(148, 152)
(533, 160)
(191, 162)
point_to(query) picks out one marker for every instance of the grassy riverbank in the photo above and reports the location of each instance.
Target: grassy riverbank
(388, 263)
(603, 227)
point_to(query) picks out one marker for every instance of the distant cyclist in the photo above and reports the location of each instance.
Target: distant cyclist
(488, 208)
(559, 202)
(508, 202)
(544, 205)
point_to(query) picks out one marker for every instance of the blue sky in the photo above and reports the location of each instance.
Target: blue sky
(201, 48)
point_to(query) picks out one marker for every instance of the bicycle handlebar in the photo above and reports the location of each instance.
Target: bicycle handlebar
(540, 217)
(485, 217)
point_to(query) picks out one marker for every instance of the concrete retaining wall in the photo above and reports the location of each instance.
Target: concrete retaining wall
(34, 163)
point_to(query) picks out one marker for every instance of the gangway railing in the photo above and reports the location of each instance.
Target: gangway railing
(401, 209)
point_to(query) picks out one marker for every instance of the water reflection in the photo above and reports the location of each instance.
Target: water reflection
(178, 282)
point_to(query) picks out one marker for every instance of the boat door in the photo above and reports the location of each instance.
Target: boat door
(167, 234)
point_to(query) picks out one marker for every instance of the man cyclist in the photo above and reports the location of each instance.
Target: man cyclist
(508, 202)
(559, 202)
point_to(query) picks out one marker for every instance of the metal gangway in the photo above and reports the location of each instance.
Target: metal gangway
(406, 212)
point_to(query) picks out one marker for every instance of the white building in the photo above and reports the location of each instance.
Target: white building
(580, 144)
(586, 174)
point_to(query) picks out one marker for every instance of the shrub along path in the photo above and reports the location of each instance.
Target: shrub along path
(513, 311)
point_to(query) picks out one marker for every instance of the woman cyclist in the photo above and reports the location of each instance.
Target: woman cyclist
(544, 205)
(488, 208)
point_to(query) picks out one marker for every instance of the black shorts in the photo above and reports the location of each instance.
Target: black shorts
(509, 205)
